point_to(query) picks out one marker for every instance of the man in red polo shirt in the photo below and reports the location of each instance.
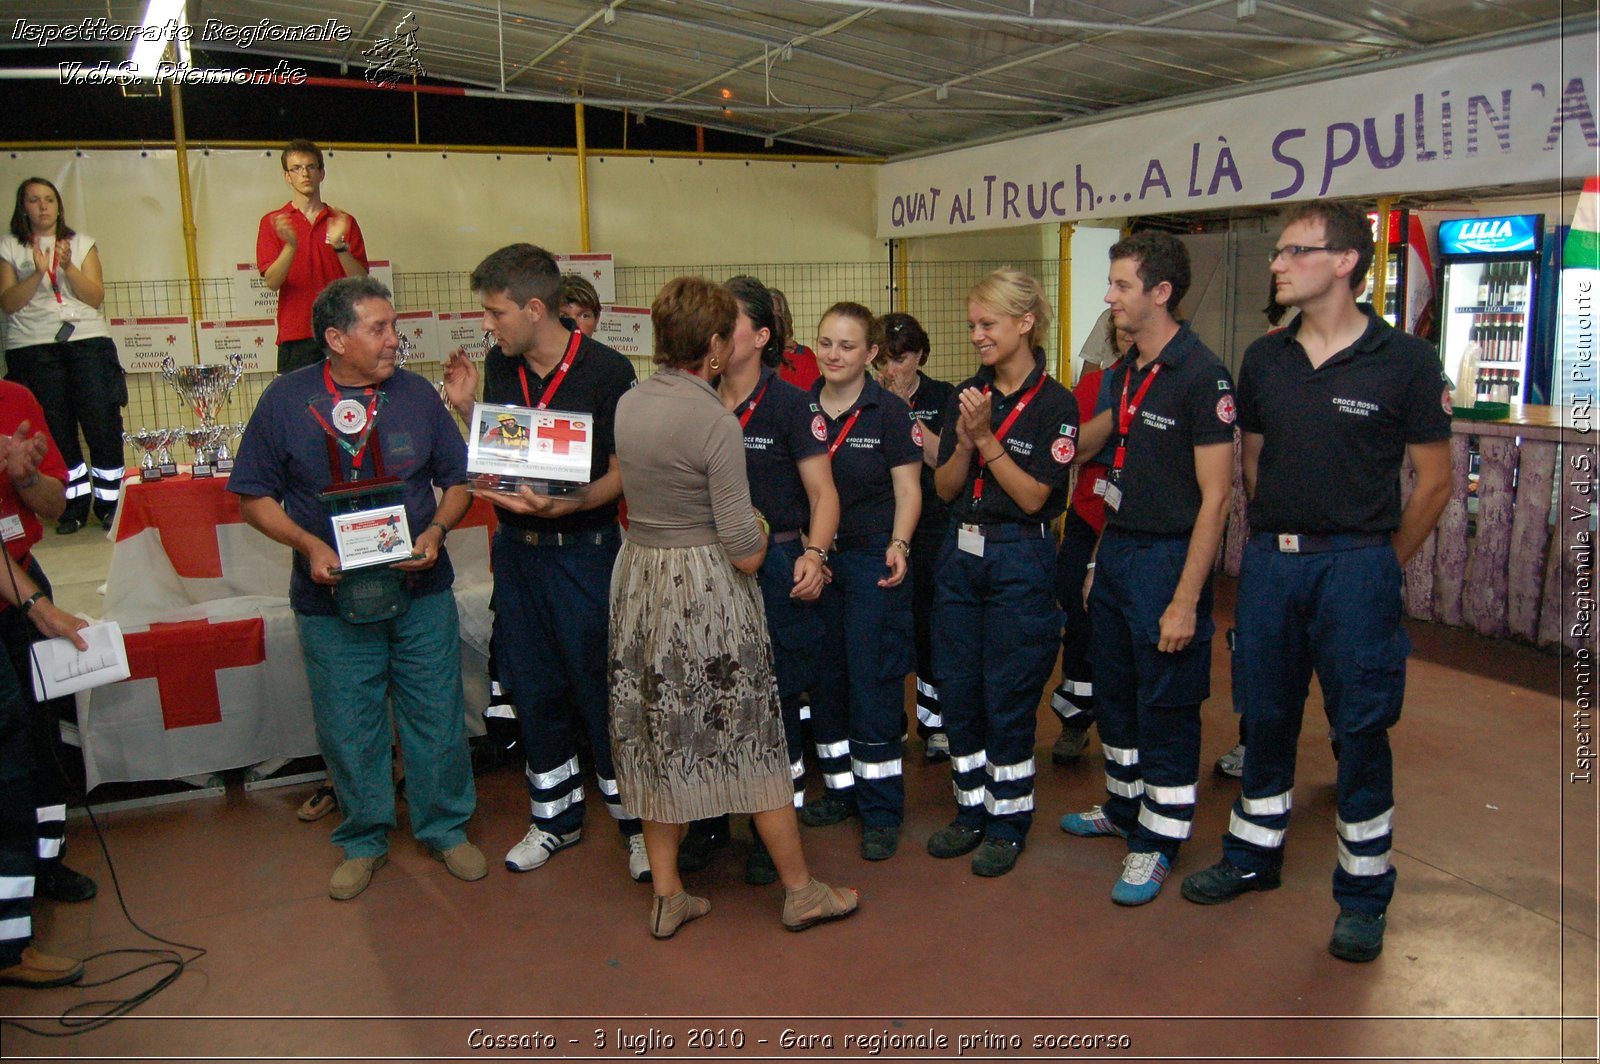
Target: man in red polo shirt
(300, 248)
(32, 486)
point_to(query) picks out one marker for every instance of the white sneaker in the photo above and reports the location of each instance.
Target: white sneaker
(936, 747)
(536, 847)
(638, 859)
(1231, 764)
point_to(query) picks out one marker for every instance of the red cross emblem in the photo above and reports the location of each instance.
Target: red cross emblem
(183, 659)
(259, 341)
(557, 434)
(171, 339)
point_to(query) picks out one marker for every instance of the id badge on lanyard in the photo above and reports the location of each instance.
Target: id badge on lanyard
(1126, 412)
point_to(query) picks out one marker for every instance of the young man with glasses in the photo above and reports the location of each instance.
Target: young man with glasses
(300, 248)
(1330, 408)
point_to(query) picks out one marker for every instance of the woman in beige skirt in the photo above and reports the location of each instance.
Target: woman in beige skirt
(695, 725)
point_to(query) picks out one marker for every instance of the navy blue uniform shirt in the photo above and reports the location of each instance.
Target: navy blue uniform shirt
(879, 440)
(1335, 436)
(1043, 441)
(593, 385)
(284, 456)
(785, 427)
(1189, 405)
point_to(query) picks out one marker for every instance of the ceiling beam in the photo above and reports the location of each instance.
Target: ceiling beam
(1032, 57)
(607, 12)
(1144, 28)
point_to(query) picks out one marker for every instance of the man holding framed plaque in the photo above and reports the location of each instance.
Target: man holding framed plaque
(553, 553)
(340, 462)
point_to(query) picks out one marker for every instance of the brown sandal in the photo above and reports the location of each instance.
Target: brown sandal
(668, 914)
(816, 903)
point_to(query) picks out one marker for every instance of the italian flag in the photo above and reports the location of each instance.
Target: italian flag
(1582, 250)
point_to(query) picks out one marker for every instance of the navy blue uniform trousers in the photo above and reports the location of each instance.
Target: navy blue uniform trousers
(797, 632)
(1077, 673)
(995, 628)
(552, 616)
(858, 702)
(1147, 702)
(1336, 612)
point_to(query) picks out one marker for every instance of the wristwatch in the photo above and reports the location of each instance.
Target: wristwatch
(819, 552)
(28, 603)
(341, 247)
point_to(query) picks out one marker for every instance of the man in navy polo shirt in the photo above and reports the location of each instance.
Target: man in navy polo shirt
(352, 418)
(552, 554)
(1330, 407)
(1168, 411)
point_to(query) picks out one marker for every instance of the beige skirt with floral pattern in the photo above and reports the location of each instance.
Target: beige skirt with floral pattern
(695, 726)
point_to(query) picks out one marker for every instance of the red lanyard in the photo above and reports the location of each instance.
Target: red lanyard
(1004, 429)
(55, 257)
(555, 379)
(356, 454)
(1125, 413)
(844, 431)
(744, 418)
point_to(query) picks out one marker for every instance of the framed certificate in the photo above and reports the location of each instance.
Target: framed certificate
(379, 536)
(512, 446)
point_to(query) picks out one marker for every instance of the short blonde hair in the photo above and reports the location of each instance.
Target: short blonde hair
(1013, 293)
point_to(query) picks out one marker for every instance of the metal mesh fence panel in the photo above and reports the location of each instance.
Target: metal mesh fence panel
(936, 293)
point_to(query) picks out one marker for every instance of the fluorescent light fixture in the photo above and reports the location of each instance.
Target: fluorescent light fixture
(161, 19)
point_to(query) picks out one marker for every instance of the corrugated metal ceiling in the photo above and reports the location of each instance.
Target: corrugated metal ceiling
(853, 77)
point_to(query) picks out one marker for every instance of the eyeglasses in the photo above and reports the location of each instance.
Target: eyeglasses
(1294, 251)
(303, 168)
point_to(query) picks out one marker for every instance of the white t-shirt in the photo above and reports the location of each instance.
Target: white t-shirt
(40, 320)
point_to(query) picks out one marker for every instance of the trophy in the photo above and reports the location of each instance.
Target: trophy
(222, 456)
(203, 440)
(146, 441)
(165, 438)
(204, 388)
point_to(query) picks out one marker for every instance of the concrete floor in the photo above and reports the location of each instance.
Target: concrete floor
(1491, 951)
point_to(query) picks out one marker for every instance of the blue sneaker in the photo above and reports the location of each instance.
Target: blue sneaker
(1142, 876)
(1091, 825)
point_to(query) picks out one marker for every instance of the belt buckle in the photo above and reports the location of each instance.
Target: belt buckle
(1288, 544)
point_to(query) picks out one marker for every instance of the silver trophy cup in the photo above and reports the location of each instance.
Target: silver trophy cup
(204, 388)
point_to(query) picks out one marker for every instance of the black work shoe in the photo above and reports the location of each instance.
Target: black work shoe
(825, 811)
(759, 871)
(996, 857)
(1225, 881)
(59, 883)
(1069, 747)
(1357, 936)
(879, 844)
(694, 852)
(68, 525)
(954, 840)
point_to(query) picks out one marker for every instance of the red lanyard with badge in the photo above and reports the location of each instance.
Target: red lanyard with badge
(844, 430)
(371, 530)
(1111, 487)
(744, 418)
(1003, 431)
(969, 537)
(50, 271)
(555, 378)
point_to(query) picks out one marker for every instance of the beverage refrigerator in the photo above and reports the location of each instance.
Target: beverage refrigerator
(1408, 301)
(1487, 273)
